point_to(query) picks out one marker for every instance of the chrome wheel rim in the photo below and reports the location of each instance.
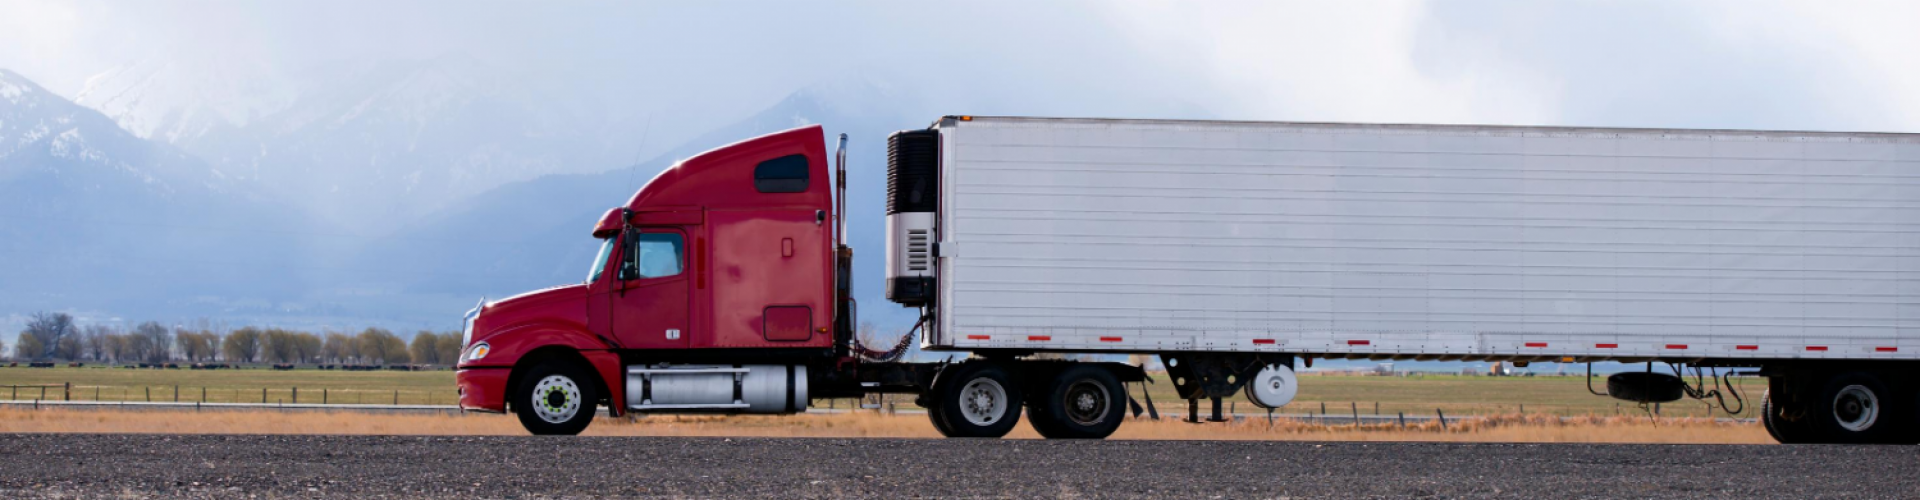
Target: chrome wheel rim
(1087, 402)
(983, 401)
(556, 399)
(1856, 408)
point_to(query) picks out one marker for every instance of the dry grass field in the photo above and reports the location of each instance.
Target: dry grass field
(1493, 428)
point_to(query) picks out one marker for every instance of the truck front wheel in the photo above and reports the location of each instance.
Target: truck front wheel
(555, 398)
(978, 399)
(1083, 402)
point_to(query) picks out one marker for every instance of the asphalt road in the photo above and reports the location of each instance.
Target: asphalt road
(53, 466)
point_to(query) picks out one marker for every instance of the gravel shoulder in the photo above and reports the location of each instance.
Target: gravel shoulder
(212, 466)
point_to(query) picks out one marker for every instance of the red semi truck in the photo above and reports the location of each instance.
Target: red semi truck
(1234, 251)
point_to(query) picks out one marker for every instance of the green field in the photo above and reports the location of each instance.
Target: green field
(1339, 394)
(232, 386)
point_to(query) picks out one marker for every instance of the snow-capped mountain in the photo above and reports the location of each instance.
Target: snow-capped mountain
(368, 145)
(44, 135)
(94, 218)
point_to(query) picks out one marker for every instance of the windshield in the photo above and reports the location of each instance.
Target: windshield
(600, 260)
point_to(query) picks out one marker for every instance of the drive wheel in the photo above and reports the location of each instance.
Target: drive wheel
(1083, 402)
(555, 398)
(1855, 407)
(976, 400)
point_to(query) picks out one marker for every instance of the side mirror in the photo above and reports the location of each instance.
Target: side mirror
(628, 272)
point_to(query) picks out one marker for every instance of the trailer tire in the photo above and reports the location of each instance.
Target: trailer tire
(1783, 430)
(1082, 402)
(1856, 408)
(555, 398)
(978, 399)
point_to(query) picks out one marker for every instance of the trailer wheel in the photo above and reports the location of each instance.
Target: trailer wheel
(1773, 418)
(555, 398)
(976, 400)
(1855, 407)
(1082, 402)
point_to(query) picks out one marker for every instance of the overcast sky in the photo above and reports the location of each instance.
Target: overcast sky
(1746, 64)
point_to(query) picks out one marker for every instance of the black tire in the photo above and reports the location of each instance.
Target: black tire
(1783, 422)
(562, 386)
(1785, 412)
(976, 399)
(1082, 402)
(1856, 408)
(939, 420)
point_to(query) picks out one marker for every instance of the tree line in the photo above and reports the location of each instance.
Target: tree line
(55, 336)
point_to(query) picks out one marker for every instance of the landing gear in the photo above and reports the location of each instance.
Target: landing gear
(976, 399)
(555, 398)
(1082, 402)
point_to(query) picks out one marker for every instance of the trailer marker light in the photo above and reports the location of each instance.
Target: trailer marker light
(1747, 347)
(1566, 359)
(1039, 338)
(1816, 348)
(1676, 346)
(1536, 344)
(966, 118)
(1109, 339)
(1606, 346)
(1262, 341)
(976, 337)
(1359, 342)
(1886, 349)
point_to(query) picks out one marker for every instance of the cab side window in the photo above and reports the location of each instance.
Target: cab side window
(786, 174)
(658, 255)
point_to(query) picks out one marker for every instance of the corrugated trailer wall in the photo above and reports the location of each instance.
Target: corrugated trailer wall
(1427, 240)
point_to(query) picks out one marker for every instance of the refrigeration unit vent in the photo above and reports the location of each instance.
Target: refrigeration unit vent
(919, 250)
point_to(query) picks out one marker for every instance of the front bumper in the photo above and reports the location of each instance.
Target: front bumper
(483, 388)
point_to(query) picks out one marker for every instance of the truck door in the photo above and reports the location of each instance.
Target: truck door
(650, 300)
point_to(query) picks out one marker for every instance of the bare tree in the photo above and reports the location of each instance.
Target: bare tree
(448, 345)
(424, 348)
(243, 345)
(47, 329)
(93, 342)
(157, 340)
(382, 346)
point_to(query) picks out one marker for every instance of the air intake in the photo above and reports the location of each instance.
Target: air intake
(913, 169)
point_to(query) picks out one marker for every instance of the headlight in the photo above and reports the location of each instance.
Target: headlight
(478, 351)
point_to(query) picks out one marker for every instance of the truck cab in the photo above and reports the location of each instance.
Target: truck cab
(716, 280)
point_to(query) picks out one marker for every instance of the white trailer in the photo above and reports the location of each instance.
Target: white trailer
(1221, 245)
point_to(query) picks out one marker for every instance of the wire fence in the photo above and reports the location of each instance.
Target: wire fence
(265, 395)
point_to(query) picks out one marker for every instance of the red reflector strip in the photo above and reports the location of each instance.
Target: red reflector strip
(1359, 342)
(976, 337)
(1747, 347)
(1536, 344)
(1262, 341)
(1109, 339)
(1039, 338)
(1606, 346)
(1886, 349)
(1676, 346)
(1816, 348)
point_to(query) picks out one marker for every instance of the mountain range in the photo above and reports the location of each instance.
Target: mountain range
(394, 196)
